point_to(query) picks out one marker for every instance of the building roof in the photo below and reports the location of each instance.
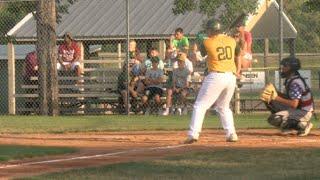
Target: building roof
(96, 19)
(265, 24)
(20, 51)
(149, 19)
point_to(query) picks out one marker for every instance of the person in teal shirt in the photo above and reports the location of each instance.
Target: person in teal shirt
(153, 52)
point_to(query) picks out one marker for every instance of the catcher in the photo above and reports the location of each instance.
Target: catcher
(293, 109)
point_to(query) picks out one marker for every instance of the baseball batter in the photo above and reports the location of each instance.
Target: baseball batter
(219, 85)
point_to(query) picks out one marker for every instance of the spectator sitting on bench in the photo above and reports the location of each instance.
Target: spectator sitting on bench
(187, 62)
(180, 86)
(170, 55)
(134, 53)
(153, 81)
(153, 52)
(195, 55)
(135, 60)
(31, 70)
(31, 67)
(122, 87)
(69, 55)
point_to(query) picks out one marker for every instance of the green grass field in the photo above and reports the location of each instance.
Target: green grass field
(67, 124)
(219, 164)
(10, 152)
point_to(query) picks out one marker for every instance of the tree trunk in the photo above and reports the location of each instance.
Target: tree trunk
(46, 51)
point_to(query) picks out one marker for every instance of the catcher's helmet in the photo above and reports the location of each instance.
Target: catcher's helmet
(292, 62)
(214, 25)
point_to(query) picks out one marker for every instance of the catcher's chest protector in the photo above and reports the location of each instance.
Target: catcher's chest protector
(306, 99)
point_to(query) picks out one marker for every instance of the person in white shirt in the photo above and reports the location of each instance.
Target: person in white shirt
(176, 86)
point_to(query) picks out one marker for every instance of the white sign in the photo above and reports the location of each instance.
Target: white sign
(253, 80)
(306, 74)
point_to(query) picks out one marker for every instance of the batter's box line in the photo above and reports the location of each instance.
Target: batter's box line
(91, 156)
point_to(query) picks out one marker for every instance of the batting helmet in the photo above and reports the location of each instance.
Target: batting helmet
(214, 25)
(292, 62)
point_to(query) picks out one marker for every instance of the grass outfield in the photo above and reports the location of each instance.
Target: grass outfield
(217, 164)
(9, 152)
(65, 124)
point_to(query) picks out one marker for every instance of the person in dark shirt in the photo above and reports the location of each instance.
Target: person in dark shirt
(30, 77)
(31, 67)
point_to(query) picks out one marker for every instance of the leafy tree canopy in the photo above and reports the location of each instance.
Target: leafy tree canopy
(312, 5)
(224, 10)
(12, 12)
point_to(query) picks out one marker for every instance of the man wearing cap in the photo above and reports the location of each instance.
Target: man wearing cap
(182, 66)
(187, 62)
(69, 55)
(246, 39)
(219, 85)
(180, 85)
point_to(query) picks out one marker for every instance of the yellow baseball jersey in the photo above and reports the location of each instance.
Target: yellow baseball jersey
(221, 53)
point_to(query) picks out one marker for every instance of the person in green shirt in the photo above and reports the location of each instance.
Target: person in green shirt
(179, 41)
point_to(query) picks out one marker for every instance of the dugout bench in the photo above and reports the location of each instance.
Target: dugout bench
(96, 94)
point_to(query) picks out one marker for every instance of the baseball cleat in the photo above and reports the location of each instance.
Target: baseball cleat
(287, 131)
(190, 140)
(306, 131)
(232, 138)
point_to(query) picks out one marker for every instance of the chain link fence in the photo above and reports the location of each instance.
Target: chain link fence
(100, 82)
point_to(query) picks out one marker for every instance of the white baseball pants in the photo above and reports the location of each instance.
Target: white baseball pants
(217, 88)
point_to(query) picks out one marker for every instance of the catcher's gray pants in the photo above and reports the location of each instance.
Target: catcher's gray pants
(285, 117)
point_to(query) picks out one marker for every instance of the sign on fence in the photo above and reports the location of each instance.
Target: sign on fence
(306, 74)
(253, 80)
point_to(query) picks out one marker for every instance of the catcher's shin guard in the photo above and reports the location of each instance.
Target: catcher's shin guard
(275, 120)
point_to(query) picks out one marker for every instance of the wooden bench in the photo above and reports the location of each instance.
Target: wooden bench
(95, 95)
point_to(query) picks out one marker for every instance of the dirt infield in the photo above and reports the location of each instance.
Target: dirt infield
(113, 147)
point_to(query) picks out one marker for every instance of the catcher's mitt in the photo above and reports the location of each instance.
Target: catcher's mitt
(269, 93)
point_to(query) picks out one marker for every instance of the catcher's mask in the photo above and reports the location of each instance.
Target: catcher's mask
(293, 63)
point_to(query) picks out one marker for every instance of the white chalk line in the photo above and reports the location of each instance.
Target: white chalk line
(91, 157)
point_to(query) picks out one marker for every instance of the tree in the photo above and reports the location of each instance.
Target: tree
(307, 24)
(312, 5)
(46, 51)
(225, 11)
(12, 12)
(46, 18)
(305, 16)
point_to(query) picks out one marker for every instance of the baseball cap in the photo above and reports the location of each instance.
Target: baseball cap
(181, 57)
